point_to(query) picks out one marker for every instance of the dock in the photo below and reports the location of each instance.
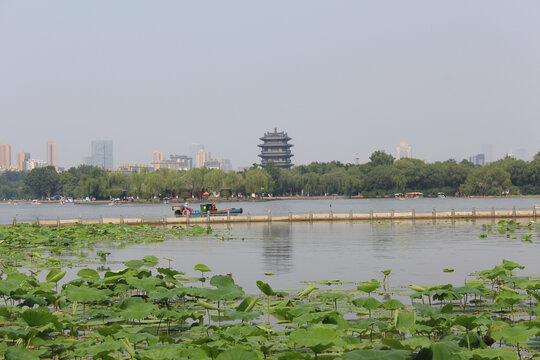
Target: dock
(391, 215)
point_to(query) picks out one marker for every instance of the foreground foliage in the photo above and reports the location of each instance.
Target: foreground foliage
(145, 311)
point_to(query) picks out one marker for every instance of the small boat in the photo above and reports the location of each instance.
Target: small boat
(205, 210)
(414, 195)
(441, 195)
(399, 196)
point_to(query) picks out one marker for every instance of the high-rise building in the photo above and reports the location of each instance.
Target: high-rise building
(102, 154)
(478, 160)
(487, 150)
(276, 148)
(203, 156)
(194, 149)
(404, 150)
(22, 158)
(158, 156)
(5, 156)
(52, 154)
(34, 163)
(176, 162)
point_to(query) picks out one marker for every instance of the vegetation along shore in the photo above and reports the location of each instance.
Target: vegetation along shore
(381, 176)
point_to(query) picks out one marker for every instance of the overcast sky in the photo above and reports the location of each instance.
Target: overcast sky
(343, 78)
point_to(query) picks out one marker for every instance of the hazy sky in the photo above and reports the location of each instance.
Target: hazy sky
(341, 77)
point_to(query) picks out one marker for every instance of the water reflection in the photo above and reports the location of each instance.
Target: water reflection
(277, 249)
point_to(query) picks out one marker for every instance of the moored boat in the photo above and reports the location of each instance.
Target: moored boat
(205, 210)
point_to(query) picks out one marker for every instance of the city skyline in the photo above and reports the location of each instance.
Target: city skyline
(483, 155)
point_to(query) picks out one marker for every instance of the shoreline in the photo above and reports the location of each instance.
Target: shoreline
(262, 199)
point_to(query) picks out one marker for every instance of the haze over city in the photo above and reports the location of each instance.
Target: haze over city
(342, 79)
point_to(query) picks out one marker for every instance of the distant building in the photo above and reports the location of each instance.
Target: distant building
(158, 156)
(487, 150)
(34, 164)
(5, 156)
(202, 157)
(404, 150)
(225, 164)
(212, 164)
(131, 168)
(22, 158)
(194, 149)
(276, 148)
(102, 155)
(175, 162)
(478, 160)
(509, 156)
(52, 154)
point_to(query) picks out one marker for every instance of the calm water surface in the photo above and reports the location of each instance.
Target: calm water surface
(46, 211)
(416, 253)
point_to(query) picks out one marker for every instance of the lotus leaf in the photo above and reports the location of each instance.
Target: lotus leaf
(84, 294)
(369, 286)
(376, 355)
(21, 353)
(202, 268)
(55, 275)
(265, 288)
(89, 274)
(404, 320)
(318, 339)
(237, 354)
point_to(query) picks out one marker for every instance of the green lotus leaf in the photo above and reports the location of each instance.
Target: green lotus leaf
(317, 339)
(393, 305)
(202, 268)
(147, 284)
(21, 353)
(242, 315)
(134, 264)
(510, 265)
(416, 342)
(514, 335)
(55, 275)
(368, 303)
(265, 288)
(369, 286)
(488, 354)
(247, 304)
(307, 291)
(404, 320)
(237, 354)
(85, 294)
(137, 310)
(38, 317)
(90, 274)
(161, 352)
(376, 355)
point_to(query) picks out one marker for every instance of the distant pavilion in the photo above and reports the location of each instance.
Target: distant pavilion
(276, 148)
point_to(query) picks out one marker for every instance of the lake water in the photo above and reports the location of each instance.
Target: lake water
(49, 211)
(416, 253)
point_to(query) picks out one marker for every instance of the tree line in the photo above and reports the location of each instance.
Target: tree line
(383, 175)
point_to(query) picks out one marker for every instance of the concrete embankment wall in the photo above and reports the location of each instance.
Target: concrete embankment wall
(309, 217)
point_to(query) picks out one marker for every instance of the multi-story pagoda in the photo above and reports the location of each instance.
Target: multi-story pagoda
(276, 148)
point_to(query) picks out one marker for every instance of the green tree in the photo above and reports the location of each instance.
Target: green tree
(41, 182)
(258, 181)
(381, 158)
(486, 180)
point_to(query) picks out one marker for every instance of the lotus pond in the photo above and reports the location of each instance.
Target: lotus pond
(65, 295)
